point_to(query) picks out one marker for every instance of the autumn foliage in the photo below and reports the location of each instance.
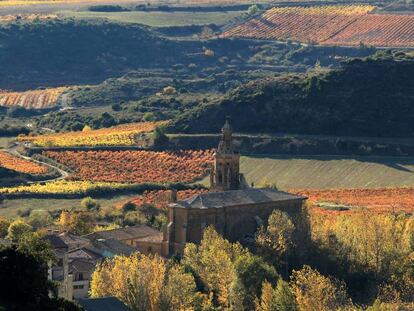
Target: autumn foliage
(122, 135)
(375, 200)
(63, 188)
(135, 166)
(21, 165)
(348, 25)
(37, 99)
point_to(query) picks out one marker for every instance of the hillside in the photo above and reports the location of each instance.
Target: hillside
(60, 52)
(346, 25)
(366, 97)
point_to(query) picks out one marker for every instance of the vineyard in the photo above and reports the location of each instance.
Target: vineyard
(37, 99)
(348, 25)
(378, 30)
(64, 188)
(122, 135)
(376, 200)
(11, 162)
(161, 198)
(135, 166)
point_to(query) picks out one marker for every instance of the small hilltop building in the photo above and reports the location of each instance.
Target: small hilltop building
(235, 210)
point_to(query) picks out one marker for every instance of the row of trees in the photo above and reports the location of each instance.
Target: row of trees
(215, 275)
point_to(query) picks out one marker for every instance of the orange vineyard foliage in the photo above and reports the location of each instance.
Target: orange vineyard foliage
(375, 200)
(135, 166)
(378, 30)
(114, 136)
(37, 99)
(161, 198)
(20, 165)
(348, 25)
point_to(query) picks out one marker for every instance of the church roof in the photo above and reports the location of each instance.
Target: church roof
(237, 197)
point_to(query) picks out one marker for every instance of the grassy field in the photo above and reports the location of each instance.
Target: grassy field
(4, 141)
(159, 19)
(329, 171)
(325, 172)
(10, 208)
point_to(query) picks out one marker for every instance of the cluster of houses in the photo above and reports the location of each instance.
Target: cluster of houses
(78, 255)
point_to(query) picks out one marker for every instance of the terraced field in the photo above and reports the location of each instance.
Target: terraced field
(326, 172)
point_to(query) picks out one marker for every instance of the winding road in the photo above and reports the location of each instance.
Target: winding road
(63, 174)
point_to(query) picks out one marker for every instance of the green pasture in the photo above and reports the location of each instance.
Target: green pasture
(12, 208)
(321, 172)
(158, 19)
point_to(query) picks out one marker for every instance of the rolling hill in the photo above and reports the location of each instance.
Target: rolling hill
(366, 97)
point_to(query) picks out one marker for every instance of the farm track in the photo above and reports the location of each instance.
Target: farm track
(63, 174)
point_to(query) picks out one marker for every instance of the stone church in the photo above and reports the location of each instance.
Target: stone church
(235, 210)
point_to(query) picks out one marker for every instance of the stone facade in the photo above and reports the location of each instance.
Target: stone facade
(235, 213)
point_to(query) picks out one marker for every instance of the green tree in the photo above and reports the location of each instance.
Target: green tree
(276, 241)
(252, 10)
(32, 243)
(251, 272)
(25, 285)
(17, 228)
(4, 226)
(90, 204)
(159, 136)
(284, 300)
(280, 298)
(39, 219)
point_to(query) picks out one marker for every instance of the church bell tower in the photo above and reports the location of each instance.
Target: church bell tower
(226, 173)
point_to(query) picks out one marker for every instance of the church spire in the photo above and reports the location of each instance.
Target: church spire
(226, 174)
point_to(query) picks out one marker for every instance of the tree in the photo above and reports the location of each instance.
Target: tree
(17, 228)
(276, 241)
(159, 136)
(213, 262)
(179, 292)
(86, 128)
(252, 271)
(266, 302)
(90, 204)
(24, 284)
(4, 226)
(280, 298)
(39, 219)
(169, 90)
(32, 244)
(284, 300)
(129, 206)
(142, 283)
(252, 10)
(314, 291)
(77, 222)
